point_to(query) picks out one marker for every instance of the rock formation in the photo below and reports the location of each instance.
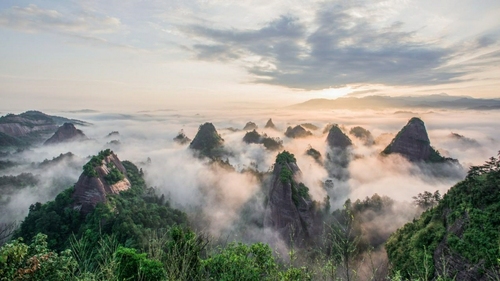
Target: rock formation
(181, 138)
(289, 209)
(316, 155)
(207, 141)
(413, 143)
(270, 124)
(250, 126)
(362, 134)
(297, 132)
(252, 137)
(113, 134)
(309, 126)
(31, 122)
(66, 133)
(268, 142)
(337, 139)
(104, 174)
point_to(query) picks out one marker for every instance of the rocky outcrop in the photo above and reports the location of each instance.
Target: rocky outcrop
(104, 174)
(270, 124)
(207, 141)
(66, 133)
(250, 126)
(413, 143)
(363, 135)
(297, 132)
(337, 139)
(268, 142)
(290, 210)
(181, 138)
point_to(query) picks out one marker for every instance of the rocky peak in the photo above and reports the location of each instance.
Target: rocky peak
(270, 124)
(297, 132)
(66, 133)
(250, 126)
(181, 138)
(207, 141)
(337, 139)
(289, 210)
(413, 143)
(104, 174)
(363, 135)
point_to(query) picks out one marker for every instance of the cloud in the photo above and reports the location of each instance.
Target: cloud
(35, 19)
(340, 46)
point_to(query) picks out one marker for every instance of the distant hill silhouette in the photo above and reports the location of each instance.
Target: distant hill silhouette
(384, 102)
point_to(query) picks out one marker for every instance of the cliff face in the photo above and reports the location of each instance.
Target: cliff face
(289, 210)
(108, 177)
(66, 133)
(413, 143)
(337, 139)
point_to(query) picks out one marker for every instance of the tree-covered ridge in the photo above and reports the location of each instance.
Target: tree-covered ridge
(130, 215)
(464, 226)
(285, 157)
(95, 161)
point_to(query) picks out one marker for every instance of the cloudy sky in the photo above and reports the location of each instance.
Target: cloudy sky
(153, 54)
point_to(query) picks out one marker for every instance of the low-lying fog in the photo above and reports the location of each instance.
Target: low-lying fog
(214, 196)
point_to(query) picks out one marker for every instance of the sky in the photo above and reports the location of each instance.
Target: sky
(132, 54)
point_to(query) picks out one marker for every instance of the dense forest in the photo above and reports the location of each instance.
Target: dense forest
(137, 235)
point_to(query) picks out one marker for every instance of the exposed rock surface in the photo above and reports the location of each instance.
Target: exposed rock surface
(32, 122)
(250, 126)
(270, 124)
(337, 139)
(289, 209)
(207, 141)
(297, 132)
(413, 143)
(93, 189)
(66, 133)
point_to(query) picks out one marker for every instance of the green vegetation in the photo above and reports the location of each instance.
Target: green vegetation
(35, 261)
(252, 137)
(285, 157)
(95, 161)
(19, 181)
(314, 154)
(465, 220)
(113, 176)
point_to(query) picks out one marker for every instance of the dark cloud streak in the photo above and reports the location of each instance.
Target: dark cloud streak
(342, 49)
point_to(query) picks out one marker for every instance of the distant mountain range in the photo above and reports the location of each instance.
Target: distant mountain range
(385, 102)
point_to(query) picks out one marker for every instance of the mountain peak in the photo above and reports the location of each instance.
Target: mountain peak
(66, 133)
(413, 143)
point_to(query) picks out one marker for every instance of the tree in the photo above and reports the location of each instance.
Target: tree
(427, 199)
